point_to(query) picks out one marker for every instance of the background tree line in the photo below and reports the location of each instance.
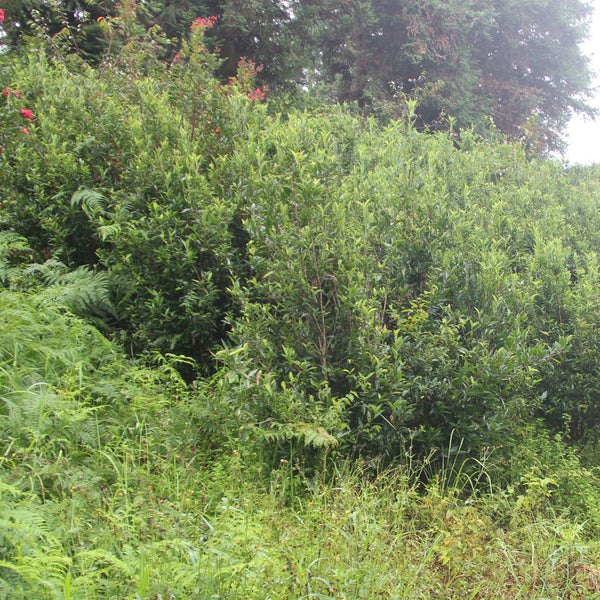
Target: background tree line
(516, 65)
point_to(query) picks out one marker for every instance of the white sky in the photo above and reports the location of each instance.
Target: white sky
(583, 134)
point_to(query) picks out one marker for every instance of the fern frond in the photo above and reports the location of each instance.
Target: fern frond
(310, 434)
(14, 248)
(91, 202)
(50, 271)
(109, 231)
(37, 338)
(10, 241)
(316, 436)
(82, 291)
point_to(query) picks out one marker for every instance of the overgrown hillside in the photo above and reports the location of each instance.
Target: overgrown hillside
(111, 489)
(253, 351)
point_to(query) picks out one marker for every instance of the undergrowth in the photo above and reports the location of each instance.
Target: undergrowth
(108, 490)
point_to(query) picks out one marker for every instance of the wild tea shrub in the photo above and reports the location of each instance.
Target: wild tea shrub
(405, 289)
(119, 174)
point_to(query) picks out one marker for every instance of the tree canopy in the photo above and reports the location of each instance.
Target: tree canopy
(518, 64)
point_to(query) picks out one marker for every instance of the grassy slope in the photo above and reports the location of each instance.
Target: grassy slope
(107, 492)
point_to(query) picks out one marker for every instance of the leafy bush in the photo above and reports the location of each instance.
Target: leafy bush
(385, 301)
(120, 174)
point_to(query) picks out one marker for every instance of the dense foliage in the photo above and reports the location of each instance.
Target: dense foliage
(376, 284)
(219, 313)
(517, 63)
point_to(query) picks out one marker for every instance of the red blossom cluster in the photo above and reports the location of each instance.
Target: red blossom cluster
(8, 92)
(24, 112)
(258, 94)
(204, 23)
(2, 16)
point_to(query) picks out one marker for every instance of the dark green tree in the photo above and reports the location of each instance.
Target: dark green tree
(532, 66)
(259, 31)
(519, 63)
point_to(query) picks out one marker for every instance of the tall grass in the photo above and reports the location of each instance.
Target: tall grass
(109, 491)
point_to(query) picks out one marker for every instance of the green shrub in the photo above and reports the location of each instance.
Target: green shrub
(120, 173)
(401, 288)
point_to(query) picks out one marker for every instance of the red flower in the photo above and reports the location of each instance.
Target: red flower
(6, 92)
(25, 131)
(1, 16)
(257, 94)
(207, 23)
(26, 113)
